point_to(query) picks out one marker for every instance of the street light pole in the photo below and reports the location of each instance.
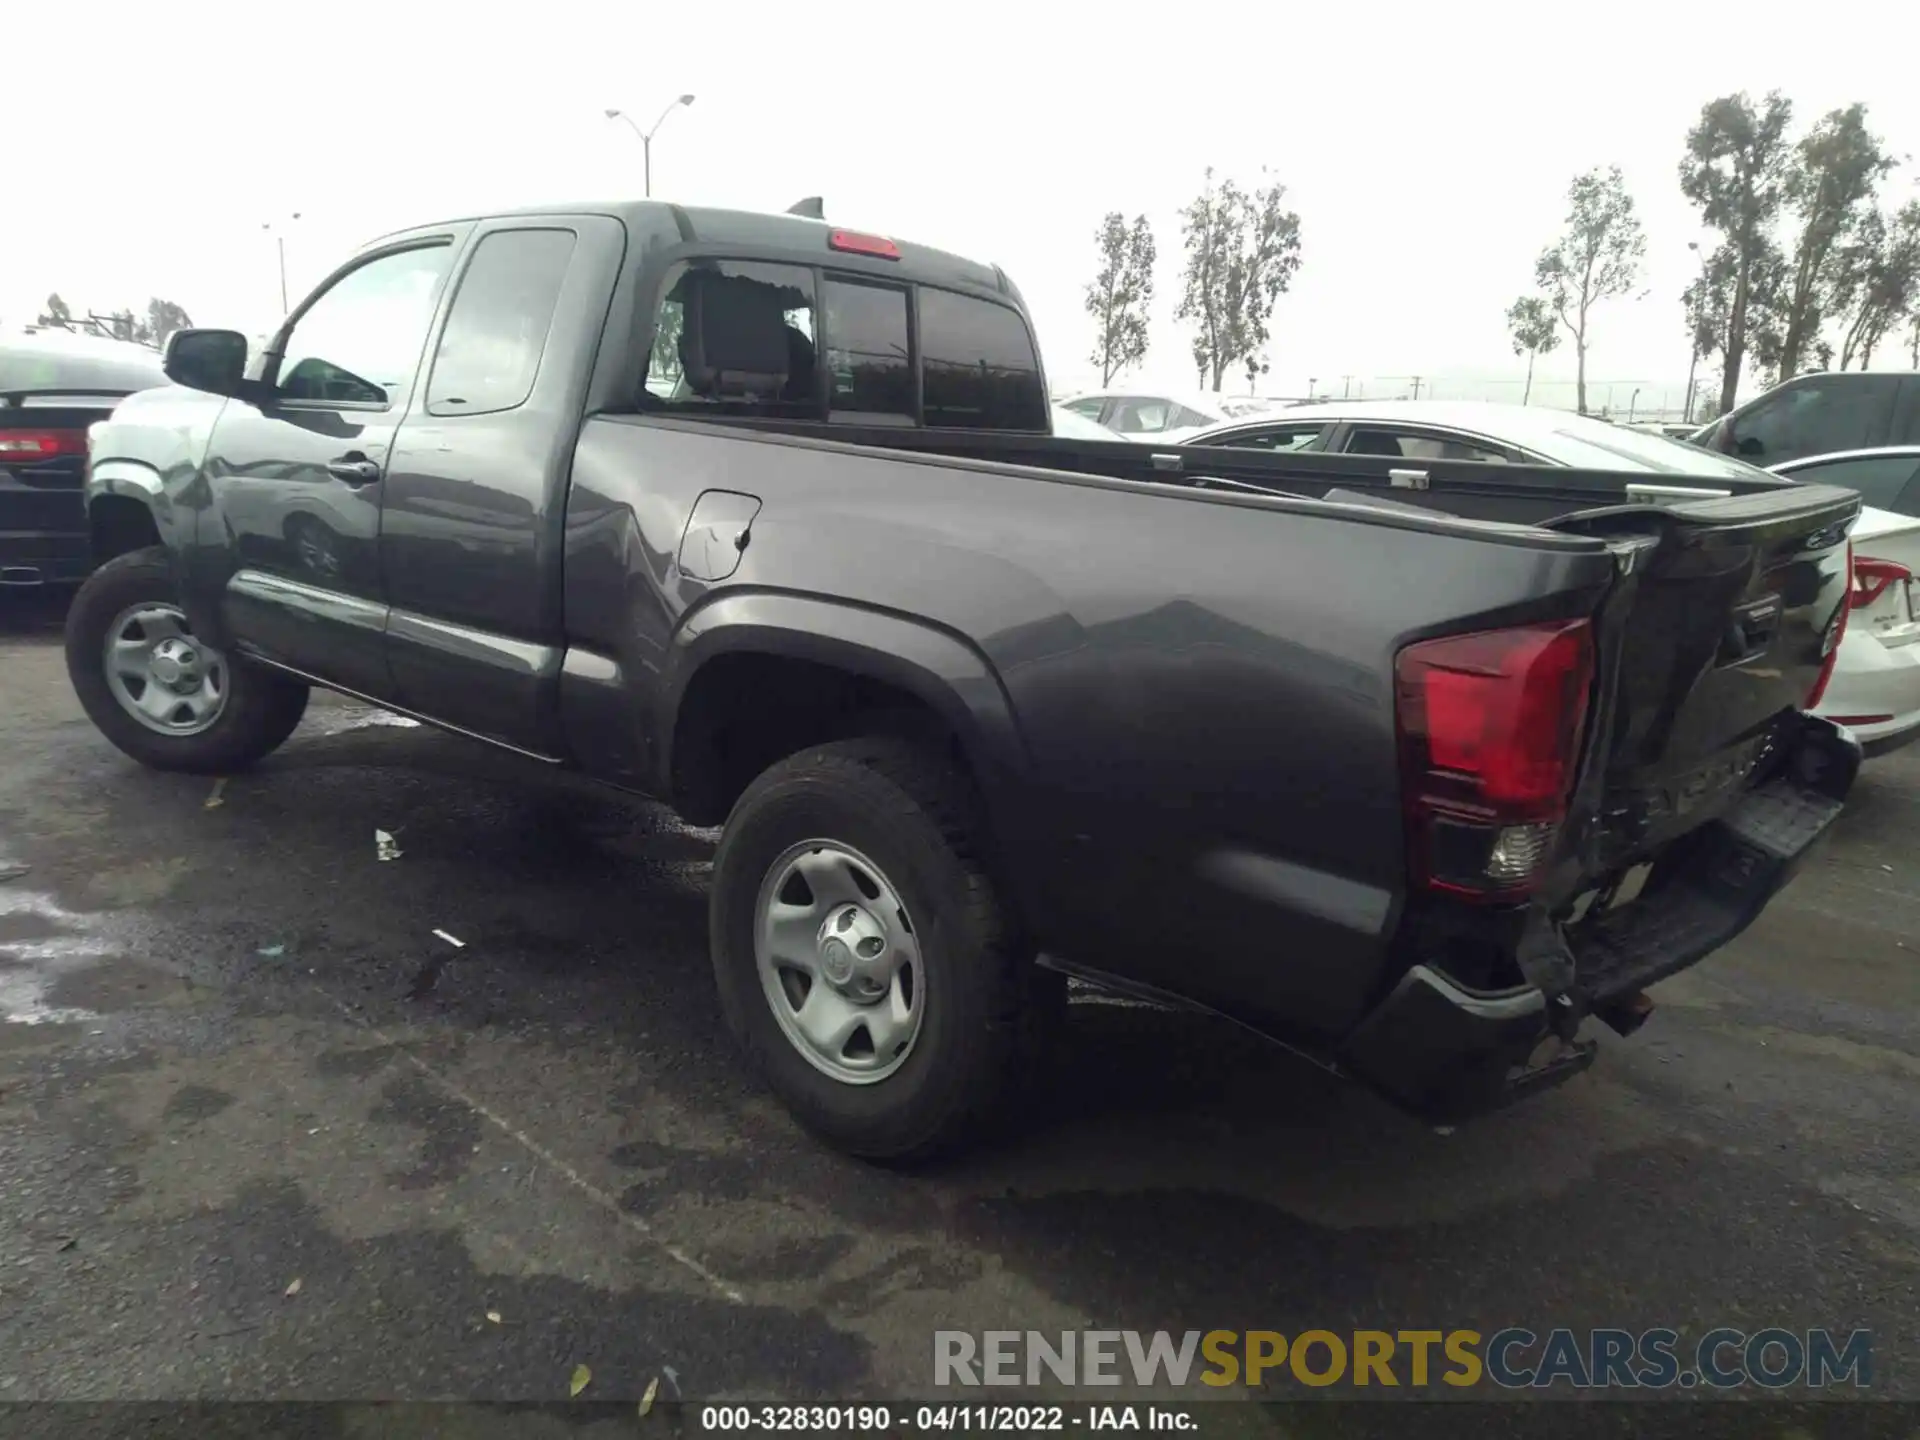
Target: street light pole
(280, 243)
(646, 136)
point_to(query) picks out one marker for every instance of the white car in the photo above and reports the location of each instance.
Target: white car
(1161, 417)
(1875, 689)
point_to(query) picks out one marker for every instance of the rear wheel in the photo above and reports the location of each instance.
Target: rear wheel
(864, 959)
(157, 690)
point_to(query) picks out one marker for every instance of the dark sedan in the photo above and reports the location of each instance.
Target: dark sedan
(53, 385)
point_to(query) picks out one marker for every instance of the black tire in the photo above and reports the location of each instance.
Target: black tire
(989, 1007)
(262, 708)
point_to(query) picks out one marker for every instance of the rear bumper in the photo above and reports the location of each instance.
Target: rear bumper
(1875, 691)
(1446, 1052)
(43, 537)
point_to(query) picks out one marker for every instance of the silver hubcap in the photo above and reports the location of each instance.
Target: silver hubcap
(839, 961)
(160, 674)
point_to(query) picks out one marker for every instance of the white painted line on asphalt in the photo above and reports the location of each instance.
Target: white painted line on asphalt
(533, 1147)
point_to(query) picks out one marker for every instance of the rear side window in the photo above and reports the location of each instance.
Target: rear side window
(1906, 418)
(496, 330)
(1816, 416)
(1277, 437)
(735, 338)
(1141, 415)
(1422, 445)
(1881, 480)
(981, 369)
(869, 365)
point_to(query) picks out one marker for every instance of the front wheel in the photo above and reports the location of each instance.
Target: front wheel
(158, 691)
(864, 959)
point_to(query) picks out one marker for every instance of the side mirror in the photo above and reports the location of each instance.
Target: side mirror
(1747, 449)
(210, 360)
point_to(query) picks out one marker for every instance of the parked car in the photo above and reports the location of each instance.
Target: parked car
(1074, 425)
(1876, 683)
(53, 385)
(981, 706)
(1475, 431)
(1160, 418)
(1820, 414)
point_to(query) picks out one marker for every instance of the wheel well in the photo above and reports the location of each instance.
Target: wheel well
(117, 524)
(744, 712)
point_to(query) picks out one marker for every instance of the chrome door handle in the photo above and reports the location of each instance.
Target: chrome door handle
(355, 470)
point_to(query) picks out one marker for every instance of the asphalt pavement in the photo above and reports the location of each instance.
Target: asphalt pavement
(265, 1134)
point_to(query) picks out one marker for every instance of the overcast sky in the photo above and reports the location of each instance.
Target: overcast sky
(1427, 148)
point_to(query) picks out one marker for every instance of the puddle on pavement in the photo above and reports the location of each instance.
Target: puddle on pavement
(53, 943)
(345, 720)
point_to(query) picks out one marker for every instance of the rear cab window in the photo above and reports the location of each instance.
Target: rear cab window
(790, 341)
(735, 338)
(869, 353)
(981, 370)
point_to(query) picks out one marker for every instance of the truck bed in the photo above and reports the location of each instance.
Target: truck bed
(1503, 494)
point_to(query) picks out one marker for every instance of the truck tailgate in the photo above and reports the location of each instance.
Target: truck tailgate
(1717, 633)
(1703, 785)
(1719, 628)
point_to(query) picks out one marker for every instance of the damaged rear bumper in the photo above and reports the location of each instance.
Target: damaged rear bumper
(1446, 1052)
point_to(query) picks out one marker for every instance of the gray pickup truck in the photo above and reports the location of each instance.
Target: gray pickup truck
(1414, 767)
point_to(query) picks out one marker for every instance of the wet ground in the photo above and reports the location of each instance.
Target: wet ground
(263, 1133)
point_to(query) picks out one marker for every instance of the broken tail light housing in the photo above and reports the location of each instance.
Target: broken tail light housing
(1836, 631)
(1490, 727)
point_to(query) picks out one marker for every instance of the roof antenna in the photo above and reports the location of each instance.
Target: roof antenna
(813, 208)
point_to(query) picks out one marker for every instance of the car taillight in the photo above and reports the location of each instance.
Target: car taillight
(1871, 579)
(1490, 727)
(26, 446)
(1830, 641)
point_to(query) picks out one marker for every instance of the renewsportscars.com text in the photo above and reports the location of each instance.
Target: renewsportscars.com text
(1513, 1358)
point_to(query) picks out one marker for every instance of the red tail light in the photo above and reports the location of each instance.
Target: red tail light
(23, 447)
(1836, 632)
(854, 243)
(1490, 727)
(1871, 579)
